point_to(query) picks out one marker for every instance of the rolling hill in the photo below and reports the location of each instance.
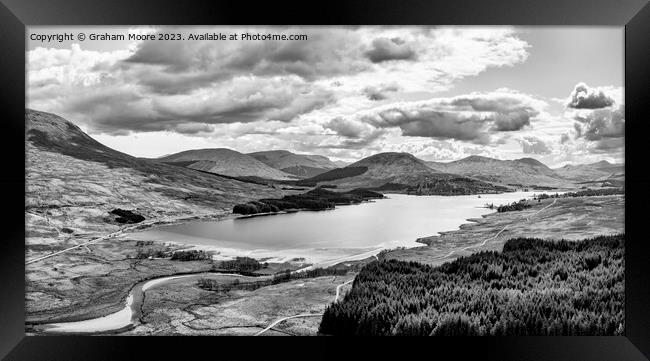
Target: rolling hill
(225, 161)
(73, 182)
(401, 172)
(524, 172)
(300, 165)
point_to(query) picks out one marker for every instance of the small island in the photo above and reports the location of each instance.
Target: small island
(317, 199)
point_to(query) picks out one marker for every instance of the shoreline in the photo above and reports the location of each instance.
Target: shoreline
(278, 256)
(285, 256)
(361, 256)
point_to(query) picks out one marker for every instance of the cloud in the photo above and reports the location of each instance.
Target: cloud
(511, 121)
(609, 144)
(601, 123)
(585, 97)
(599, 116)
(384, 49)
(379, 92)
(192, 128)
(360, 143)
(424, 122)
(117, 107)
(167, 85)
(472, 117)
(533, 145)
(177, 66)
(348, 128)
(564, 138)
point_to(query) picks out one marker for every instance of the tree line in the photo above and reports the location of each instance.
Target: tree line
(514, 206)
(583, 193)
(532, 287)
(316, 199)
(216, 285)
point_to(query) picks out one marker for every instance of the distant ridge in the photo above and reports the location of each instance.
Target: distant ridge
(523, 172)
(227, 162)
(300, 165)
(602, 172)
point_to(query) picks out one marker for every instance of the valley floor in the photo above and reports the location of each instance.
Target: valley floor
(93, 281)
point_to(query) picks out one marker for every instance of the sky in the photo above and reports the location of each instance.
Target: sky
(441, 93)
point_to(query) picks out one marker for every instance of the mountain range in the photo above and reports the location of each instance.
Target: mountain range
(524, 172)
(393, 171)
(67, 168)
(227, 162)
(397, 168)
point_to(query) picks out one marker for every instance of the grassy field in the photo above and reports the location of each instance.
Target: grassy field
(93, 281)
(184, 308)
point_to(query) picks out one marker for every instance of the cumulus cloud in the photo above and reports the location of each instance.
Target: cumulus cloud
(178, 66)
(192, 128)
(599, 116)
(601, 123)
(422, 121)
(167, 85)
(585, 97)
(533, 145)
(384, 49)
(608, 145)
(564, 138)
(472, 117)
(379, 92)
(348, 128)
(115, 109)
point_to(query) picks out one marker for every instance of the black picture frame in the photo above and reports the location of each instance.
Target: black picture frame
(16, 14)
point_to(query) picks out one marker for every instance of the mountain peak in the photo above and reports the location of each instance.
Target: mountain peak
(530, 161)
(390, 156)
(279, 152)
(602, 163)
(395, 161)
(476, 158)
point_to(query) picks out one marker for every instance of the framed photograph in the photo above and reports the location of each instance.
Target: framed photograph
(346, 169)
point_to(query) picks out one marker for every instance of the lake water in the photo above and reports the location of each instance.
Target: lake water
(343, 233)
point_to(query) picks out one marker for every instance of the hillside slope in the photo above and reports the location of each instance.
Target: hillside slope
(599, 171)
(301, 165)
(225, 161)
(405, 173)
(73, 182)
